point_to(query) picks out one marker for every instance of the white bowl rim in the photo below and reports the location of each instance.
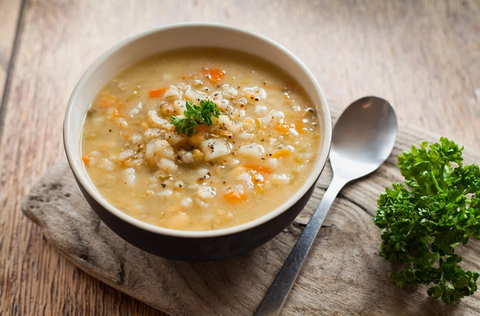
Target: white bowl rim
(88, 187)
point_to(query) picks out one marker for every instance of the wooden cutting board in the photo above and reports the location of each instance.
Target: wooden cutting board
(343, 274)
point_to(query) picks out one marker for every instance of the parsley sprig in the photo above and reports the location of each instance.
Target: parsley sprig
(424, 219)
(195, 115)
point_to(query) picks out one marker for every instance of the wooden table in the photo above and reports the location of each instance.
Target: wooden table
(422, 56)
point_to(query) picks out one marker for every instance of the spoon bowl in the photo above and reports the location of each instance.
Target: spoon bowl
(363, 138)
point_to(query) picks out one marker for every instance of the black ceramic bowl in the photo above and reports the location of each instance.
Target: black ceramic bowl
(177, 244)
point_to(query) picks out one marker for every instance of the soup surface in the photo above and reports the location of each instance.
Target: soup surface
(253, 157)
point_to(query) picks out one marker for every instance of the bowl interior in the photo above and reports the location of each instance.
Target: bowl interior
(174, 37)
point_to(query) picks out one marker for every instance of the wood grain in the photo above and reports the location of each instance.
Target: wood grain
(9, 18)
(423, 56)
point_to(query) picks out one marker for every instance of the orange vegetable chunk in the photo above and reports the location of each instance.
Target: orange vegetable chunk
(299, 125)
(108, 101)
(233, 196)
(202, 128)
(283, 127)
(258, 167)
(157, 93)
(259, 182)
(284, 152)
(214, 74)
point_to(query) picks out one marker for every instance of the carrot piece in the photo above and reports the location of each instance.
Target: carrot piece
(157, 93)
(283, 127)
(107, 101)
(202, 128)
(284, 152)
(234, 197)
(299, 125)
(258, 167)
(214, 74)
(86, 160)
(116, 112)
(259, 182)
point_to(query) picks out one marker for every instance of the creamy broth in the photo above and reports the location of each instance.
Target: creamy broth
(254, 156)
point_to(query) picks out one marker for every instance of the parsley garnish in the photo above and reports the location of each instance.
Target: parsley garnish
(195, 115)
(424, 219)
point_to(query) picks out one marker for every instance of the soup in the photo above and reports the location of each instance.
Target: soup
(200, 139)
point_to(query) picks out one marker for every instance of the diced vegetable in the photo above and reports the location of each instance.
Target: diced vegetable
(233, 196)
(283, 127)
(197, 155)
(284, 152)
(258, 167)
(214, 148)
(253, 151)
(196, 139)
(214, 74)
(202, 128)
(257, 179)
(108, 101)
(157, 93)
(299, 126)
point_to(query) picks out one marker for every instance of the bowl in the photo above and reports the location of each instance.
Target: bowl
(177, 244)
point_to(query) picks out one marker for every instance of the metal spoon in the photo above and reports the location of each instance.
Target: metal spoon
(363, 138)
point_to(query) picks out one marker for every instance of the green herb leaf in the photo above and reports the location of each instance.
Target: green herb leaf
(184, 125)
(424, 219)
(195, 115)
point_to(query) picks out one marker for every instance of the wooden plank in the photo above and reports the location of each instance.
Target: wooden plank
(9, 22)
(423, 56)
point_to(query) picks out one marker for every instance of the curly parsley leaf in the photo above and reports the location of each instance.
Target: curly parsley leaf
(184, 125)
(424, 219)
(194, 115)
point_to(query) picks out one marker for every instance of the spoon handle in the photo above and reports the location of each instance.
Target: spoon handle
(277, 294)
